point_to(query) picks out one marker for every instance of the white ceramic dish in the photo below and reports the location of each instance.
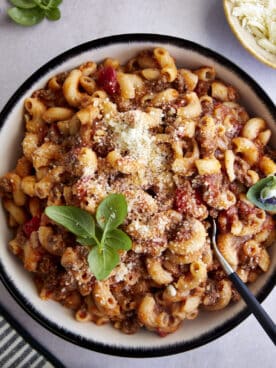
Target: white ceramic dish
(246, 38)
(52, 315)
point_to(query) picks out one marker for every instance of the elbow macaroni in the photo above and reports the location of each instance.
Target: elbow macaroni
(180, 148)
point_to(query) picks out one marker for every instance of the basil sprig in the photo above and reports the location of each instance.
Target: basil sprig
(263, 194)
(30, 12)
(102, 236)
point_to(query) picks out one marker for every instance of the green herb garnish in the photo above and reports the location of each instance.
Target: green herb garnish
(263, 194)
(102, 236)
(30, 12)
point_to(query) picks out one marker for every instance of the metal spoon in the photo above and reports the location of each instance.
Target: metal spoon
(252, 303)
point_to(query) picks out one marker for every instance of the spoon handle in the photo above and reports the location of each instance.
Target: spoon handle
(255, 307)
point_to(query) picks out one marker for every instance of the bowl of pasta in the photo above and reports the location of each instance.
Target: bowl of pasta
(127, 146)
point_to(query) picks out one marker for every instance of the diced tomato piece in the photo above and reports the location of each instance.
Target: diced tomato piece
(107, 79)
(31, 225)
(161, 333)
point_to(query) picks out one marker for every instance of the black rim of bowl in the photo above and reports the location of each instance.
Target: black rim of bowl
(140, 352)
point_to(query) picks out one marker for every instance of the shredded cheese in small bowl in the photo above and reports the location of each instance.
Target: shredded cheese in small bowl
(254, 24)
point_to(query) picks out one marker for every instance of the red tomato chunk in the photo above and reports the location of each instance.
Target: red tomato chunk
(31, 225)
(107, 79)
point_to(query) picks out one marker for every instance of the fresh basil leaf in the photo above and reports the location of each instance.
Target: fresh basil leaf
(54, 4)
(117, 239)
(254, 194)
(112, 211)
(86, 241)
(24, 4)
(41, 3)
(74, 219)
(101, 263)
(26, 17)
(48, 4)
(99, 233)
(53, 14)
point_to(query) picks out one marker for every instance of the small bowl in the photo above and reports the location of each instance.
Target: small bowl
(52, 315)
(246, 39)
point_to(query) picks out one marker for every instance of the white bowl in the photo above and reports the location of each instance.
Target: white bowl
(52, 315)
(246, 39)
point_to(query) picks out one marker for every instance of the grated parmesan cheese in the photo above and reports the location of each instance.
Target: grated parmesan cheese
(121, 271)
(134, 136)
(259, 18)
(171, 290)
(88, 171)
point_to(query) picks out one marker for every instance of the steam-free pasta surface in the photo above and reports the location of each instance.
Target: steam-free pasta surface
(180, 147)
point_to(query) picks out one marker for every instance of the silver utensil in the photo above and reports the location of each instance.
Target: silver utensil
(252, 303)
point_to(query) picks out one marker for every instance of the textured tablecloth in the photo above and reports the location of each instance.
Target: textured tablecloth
(18, 349)
(15, 351)
(23, 50)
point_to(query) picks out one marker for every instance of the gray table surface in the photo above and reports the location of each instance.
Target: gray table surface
(23, 50)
